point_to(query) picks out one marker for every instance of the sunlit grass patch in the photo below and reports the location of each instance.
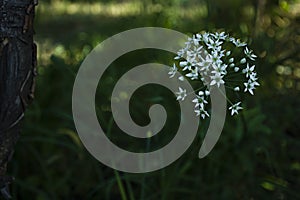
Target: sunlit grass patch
(80, 26)
(295, 8)
(118, 9)
(68, 8)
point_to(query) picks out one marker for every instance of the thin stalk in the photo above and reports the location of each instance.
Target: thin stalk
(120, 185)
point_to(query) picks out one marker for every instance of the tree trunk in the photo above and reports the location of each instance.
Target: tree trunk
(17, 71)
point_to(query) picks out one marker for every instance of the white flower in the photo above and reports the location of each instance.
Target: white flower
(249, 86)
(250, 54)
(195, 40)
(237, 89)
(205, 62)
(207, 92)
(204, 58)
(216, 58)
(191, 56)
(220, 36)
(200, 93)
(193, 75)
(232, 39)
(199, 36)
(198, 50)
(235, 108)
(213, 44)
(255, 83)
(205, 37)
(180, 54)
(243, 61)
(173, 71)
(248, 70)
(181, 78)
(237, 42)
(217, 79)
(189, 42)
(181, 94)
(185, 65)
(202, 113)
(219, 69)
(200, 102)
(253, 77)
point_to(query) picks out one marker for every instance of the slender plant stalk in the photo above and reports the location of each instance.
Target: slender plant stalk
(120, 185)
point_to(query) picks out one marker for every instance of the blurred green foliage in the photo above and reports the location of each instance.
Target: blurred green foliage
(257, 156)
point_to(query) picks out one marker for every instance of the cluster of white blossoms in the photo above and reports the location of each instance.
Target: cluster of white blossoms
(206, 58)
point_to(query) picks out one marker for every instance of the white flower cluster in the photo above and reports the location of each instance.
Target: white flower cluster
(206, 58)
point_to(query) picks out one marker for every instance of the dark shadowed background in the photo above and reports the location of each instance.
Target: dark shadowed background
(257, 156)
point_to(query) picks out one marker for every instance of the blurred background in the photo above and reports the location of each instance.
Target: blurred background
(257, 156)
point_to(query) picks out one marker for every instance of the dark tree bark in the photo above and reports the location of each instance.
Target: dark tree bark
(17, 71)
